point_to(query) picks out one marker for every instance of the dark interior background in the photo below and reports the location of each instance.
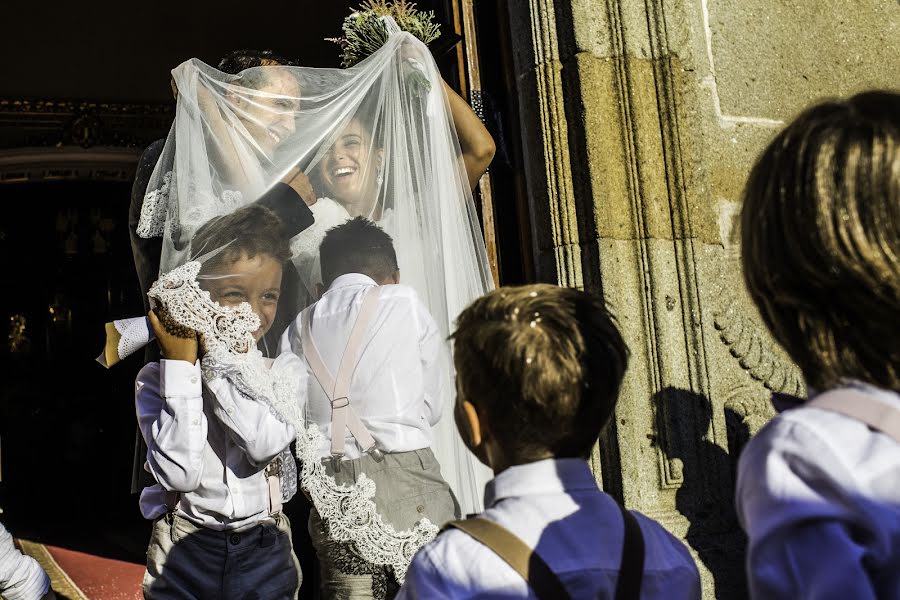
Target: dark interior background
(123, 51)
(66, 424)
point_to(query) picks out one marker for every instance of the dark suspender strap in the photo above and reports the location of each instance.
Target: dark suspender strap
(631, 571)
(516, 554)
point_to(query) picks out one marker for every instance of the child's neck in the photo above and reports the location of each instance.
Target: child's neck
(499, 463)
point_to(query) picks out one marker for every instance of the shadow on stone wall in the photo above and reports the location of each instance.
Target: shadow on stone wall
(706, 495)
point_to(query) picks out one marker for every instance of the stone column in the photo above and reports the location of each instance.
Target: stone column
(640, 123)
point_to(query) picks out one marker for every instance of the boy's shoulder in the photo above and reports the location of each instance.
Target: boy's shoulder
(399, 291)
(808, 434)
(456, 565)
(810, 463)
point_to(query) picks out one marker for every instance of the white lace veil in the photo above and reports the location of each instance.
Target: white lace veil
(376, 140)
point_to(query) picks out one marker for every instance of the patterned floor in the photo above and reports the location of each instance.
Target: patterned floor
(79, 576)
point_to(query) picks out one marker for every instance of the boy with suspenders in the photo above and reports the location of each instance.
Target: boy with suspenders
(818, 488)
(538, 373)
(378, 382)
(215, 452)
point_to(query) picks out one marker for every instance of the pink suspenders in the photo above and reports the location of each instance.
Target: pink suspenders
(337, 389)
(853, 404)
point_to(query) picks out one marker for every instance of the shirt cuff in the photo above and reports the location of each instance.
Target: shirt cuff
(180, 379)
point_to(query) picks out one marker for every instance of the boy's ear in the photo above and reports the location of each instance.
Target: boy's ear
(474, 422)
(320, 289)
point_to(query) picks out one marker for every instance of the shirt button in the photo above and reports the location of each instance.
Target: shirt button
(194, 379)
(420, 508)
(235, 539)
(230, 410)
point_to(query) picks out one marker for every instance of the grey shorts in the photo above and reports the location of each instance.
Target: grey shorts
(408, 487)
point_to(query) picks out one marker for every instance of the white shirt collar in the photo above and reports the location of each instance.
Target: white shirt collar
(544, 477)
(350, 279)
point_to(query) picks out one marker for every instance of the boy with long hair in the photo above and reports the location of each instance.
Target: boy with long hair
(819, 487)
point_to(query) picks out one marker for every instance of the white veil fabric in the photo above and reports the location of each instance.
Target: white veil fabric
(376, 140)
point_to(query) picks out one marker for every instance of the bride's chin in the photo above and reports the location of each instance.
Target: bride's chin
(345, 197)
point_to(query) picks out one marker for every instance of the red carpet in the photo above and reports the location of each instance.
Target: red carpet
(80, 576)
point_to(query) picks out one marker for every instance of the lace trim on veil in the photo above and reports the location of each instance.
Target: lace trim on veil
(152, 222)
(157, 203)
(352, 516)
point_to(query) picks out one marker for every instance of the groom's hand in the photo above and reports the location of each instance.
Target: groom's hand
(300, 183)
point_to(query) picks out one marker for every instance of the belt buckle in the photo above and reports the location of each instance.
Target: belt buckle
(342, 402)
(273, 469)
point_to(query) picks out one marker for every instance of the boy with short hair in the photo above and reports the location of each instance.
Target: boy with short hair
(395, 390)
(219, 531)
(538, 373)
(818, 488)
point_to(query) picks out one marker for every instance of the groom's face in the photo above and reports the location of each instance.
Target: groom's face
(270, 116)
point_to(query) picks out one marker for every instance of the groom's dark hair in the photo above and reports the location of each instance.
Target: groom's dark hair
(357, 246)
(237, 60)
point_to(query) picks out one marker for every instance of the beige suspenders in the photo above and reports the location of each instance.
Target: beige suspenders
(337, 389)
(538, 574)
(862, 407)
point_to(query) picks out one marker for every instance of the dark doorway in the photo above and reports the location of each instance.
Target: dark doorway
(67, 424)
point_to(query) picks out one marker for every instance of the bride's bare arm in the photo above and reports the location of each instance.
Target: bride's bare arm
(476, 143)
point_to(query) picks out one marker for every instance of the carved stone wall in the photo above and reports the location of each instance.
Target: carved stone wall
(640, 123)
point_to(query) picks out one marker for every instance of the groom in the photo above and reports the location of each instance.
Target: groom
(290, 199)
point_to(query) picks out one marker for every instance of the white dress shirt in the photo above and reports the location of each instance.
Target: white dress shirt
(818, 494)
(556, 508)
(21, 577)
(209, 442)
(400, 383)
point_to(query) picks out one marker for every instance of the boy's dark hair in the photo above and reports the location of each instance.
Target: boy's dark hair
(238, 60)
(821, 240)
(357, 246)
(544, 364)
(248, 231)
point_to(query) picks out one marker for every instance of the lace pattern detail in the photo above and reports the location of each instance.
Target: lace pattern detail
(204, 206)
(229, 329)
(152, 222)
(135, 334)
(352, 516)
(207, 206)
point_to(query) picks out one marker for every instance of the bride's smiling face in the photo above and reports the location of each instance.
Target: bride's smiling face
(350, 168)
